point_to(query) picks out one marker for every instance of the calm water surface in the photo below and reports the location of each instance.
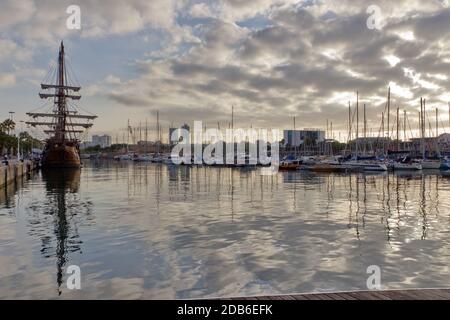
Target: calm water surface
(157, 231)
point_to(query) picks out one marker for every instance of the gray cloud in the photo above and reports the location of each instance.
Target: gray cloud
(306, 58)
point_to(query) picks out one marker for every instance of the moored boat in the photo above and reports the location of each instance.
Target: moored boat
(62, 148)
(289, 164)
(430, 164)
(143, 158)
(123, 157)
(367, 165)
(445, 165)
(406, 164)
(328, 167)
(64, 155)
(308, 161)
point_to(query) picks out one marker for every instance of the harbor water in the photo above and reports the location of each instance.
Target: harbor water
(140, 230)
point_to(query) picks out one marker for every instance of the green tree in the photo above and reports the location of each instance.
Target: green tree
(7, 126)
(8, 143)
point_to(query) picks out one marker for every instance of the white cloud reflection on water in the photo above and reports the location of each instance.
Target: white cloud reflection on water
(159, 232)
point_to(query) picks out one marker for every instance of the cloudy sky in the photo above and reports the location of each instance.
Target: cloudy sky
(192, 60)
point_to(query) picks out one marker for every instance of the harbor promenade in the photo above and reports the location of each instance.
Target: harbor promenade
(414, 294)
(15, 170)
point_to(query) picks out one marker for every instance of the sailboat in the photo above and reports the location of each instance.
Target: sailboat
(406, 163)
(445, 164)
(62, 146)
(290, 163)
(430, 164)
(357, 162)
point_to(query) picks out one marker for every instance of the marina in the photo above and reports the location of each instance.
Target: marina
(224, 150)
(266, 219)
(387, 151)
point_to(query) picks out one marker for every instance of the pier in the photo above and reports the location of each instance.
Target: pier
(15, 170)
(414, 294)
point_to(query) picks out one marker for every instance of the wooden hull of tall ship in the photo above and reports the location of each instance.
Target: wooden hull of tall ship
(61, 156)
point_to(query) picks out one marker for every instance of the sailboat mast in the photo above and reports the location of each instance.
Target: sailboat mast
(146, 136)
(357, 122)
(437, 124)
(331, 137)
(398, 128)
(295, 144)
(128, 136)
(422, 126)
(331, 131)
(61, 99)
(365, 130)
(389, 112)
(232, 117)
(157, 129)
(349, 124)
(404, 129)
(382, 130)
(438, 152)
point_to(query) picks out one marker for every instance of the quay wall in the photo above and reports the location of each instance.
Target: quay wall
(14, 170)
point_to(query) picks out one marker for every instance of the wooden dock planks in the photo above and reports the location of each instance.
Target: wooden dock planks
(415, 294)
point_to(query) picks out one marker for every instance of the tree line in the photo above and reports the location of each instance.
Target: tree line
(8, 142)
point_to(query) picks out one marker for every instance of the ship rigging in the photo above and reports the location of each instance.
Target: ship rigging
(63, 122)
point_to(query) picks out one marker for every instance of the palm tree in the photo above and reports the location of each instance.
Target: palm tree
(7, 126)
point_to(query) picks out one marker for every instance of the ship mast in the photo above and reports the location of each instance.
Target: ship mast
(60, 132)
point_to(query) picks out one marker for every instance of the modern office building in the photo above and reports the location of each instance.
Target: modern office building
(103, 141)
(298, 137)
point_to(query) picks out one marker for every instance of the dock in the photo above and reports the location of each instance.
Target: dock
(15, 170)
(414, 294)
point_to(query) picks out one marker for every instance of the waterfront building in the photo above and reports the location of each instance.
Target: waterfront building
(103, 141)
(299, 137)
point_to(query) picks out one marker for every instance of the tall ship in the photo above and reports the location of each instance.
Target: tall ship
(60, 117)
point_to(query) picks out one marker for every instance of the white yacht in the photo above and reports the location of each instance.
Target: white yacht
(430, 164)
(367, 165)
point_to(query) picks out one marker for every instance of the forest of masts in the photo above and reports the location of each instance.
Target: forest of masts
(395, 133)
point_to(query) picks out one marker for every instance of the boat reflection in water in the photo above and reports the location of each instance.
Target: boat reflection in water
(61, 186)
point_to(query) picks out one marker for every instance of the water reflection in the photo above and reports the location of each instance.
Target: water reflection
(157, 231)
(59, 185)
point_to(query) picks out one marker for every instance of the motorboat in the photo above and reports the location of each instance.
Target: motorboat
(289, 163)
(367, 165)
(143, 158)
(123, 157)
(430, 164)
(407, 164)
(445, 165)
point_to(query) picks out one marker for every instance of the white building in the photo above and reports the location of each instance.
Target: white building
(298, 137)
(103, 141)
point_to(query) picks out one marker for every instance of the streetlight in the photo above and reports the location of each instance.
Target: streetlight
(18, 139)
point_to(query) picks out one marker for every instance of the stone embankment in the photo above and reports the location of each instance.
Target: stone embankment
(15, 170)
